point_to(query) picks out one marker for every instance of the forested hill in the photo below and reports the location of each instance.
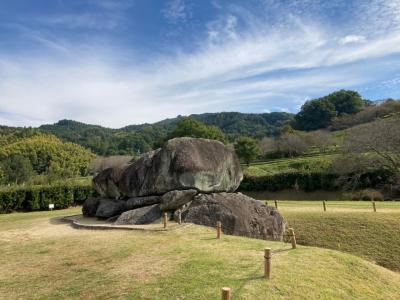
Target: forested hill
(233, 124)
(135, 139)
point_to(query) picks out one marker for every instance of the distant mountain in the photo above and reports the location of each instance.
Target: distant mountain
(134, 139)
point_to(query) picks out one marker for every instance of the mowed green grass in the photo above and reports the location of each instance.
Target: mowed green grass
(42, 258)
(349, 226)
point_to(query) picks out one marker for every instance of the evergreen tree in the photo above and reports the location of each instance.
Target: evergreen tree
(190, 127)
(315, 114)
(247, 149)
(17, 169)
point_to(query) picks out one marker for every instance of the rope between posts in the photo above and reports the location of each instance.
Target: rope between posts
(226, 230)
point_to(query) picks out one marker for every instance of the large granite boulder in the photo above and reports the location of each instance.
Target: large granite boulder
(181, 164)
(176, 199)
(106, 182)
(139, 216)
(239, 214)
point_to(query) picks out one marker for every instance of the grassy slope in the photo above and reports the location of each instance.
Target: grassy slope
(42, 258)
(315, 162)
(350, 227)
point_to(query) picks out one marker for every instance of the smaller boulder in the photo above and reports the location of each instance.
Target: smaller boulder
(176, 199)
(140, 216)
(108, 208)
(90, 206)
(137, 202)
(239, 214)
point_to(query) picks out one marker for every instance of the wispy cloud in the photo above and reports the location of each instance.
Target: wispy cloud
(46, 39)
(246, 64)
(112, 4)
(84, 20)
(176, 11)
(222, 29)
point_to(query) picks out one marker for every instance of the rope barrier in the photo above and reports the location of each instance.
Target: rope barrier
(285, 237)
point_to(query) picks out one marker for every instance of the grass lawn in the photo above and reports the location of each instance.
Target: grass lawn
(349, 226)
(42, 258)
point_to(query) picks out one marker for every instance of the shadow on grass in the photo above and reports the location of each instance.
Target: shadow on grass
(253, 277)
(208, 238)
(58, 221)
(276, 251)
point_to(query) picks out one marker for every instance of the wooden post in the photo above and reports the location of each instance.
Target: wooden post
(179, 217)
(324, 204)
(267, 262)
(374, 206)
(276, 204)
(226, 293)
(219, 226)
(165, 220)
(292, 238)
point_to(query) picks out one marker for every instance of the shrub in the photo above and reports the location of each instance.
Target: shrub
(367, 195)
(31, 198)
(309, 181)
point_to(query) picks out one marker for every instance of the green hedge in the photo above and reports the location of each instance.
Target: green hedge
(31, 198)
(308, 181)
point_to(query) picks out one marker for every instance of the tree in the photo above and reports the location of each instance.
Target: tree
(381, 139)
(292, 144)
(2, 175)
(190, 127)
(247, 149)
(315, 114)
(346, 102)
(368, 148)
(43, 151)
(269, 146)
(321, 139)
(17, 169)
(319, 113)
(287, 129)
(368, 114)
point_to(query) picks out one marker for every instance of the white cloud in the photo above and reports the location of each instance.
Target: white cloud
(281, 109)
(352, 39)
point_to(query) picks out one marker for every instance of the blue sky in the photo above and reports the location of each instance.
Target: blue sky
(120, 62)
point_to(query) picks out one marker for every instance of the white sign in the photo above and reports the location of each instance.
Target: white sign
(51, 206)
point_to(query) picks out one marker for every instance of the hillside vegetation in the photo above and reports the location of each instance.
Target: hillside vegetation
(38, 154)
(9, 135)
(136, 139)
(188, 263)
